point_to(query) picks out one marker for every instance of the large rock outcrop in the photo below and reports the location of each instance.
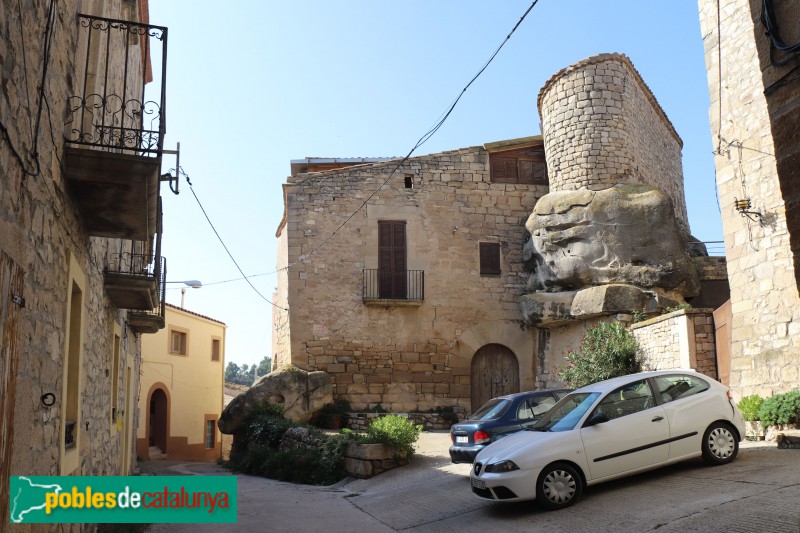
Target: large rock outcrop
(623, 234)
(300, 393)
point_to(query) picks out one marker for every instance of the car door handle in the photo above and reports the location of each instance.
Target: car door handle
(657, 419)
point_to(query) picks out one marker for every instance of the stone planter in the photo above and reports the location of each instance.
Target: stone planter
(754, 429)
(367, 460)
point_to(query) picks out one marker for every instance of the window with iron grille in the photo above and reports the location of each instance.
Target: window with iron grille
(490, 258)
(211, 433)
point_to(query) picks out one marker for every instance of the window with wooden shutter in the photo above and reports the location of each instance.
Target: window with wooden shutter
(177, 342)
(525, 166)
(490, 258)
(392, 259)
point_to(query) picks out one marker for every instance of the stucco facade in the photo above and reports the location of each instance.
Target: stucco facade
(754, 124)
(183, 368)
(415, 352)
(69, 359)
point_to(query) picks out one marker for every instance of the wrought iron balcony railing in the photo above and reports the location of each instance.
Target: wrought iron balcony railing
(389, 285)
(112, 111)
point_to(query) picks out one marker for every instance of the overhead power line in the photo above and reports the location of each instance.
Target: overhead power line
(422, 140)
(245, 277)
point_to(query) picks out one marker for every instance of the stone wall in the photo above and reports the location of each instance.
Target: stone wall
(762, 259)
(41, 232)
(681, 339)
(603, 126)
(711, 267)
(428, 421)
(421, 358)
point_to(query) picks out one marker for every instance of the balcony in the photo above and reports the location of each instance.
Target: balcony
(132, 280)
(152, 320)
(403, 288)
(115, 131)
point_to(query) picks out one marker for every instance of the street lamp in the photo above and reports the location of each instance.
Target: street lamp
(193, 283)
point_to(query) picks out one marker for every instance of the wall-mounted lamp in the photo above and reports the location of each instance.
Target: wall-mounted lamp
(744, 206)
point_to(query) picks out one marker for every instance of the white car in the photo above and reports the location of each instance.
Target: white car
(608, 430)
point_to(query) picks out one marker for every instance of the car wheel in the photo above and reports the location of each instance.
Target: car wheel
(720, 444)
(559, 486)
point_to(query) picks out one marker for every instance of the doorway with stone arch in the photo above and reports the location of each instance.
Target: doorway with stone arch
(157, 430)
(494, 372)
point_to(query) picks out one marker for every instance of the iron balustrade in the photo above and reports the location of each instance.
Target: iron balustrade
(112, 111)
(134, 264)
(390, 285)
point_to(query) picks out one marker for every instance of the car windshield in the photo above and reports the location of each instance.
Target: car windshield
(490, 410)
(565, 415)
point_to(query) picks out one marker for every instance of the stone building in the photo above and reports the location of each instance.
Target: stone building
(406, 278)
(80, 265)
(755, 123)
(182, 392)
(414, 303)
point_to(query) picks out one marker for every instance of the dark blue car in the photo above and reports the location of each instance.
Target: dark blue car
(497, 418)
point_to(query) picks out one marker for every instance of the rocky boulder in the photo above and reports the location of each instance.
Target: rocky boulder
(550, 309)
(300, 393)
(622, 234)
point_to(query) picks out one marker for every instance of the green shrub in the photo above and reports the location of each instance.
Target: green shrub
(749, 406)
(267, 429)
(780, 409)
(607, 350)
(395, 430)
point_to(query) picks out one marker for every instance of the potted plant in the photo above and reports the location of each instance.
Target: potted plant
(750, 406)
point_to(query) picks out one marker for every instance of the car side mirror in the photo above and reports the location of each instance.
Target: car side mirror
(597, 418)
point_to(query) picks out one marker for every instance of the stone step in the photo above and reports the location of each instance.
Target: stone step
(156, 453)
(788, 439)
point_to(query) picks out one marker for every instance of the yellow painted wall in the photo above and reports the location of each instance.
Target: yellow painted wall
(194, 383)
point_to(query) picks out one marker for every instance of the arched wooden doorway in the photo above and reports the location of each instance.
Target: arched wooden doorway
(495, 372)
(158, 420)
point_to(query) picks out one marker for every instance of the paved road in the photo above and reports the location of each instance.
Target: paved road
(758, 492)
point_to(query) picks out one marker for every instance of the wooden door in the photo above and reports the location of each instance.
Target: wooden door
(495, 372)
(11, 286)
(722, 333)
(392, 259)
(158, 420)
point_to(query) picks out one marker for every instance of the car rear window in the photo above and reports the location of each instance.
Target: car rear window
(679, 386)
(490, 410)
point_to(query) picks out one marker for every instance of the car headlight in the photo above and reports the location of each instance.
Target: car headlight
(502, 466)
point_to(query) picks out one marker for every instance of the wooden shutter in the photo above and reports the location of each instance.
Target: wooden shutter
(11, 286)
(490, 258)
(392, 259)
(526, 166)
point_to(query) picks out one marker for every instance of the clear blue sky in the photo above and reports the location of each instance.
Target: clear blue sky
(254, 84)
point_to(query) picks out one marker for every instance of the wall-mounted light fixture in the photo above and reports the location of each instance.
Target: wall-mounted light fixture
(744, 207)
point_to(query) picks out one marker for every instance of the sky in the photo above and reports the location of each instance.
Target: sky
(253, 84)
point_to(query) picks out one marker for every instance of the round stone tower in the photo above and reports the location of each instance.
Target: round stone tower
(602, 126)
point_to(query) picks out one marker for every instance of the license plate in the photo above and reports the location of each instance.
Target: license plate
(478, 483)
(462, 440)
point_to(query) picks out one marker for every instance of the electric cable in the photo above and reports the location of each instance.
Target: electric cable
(191, 188)
(422, 140)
